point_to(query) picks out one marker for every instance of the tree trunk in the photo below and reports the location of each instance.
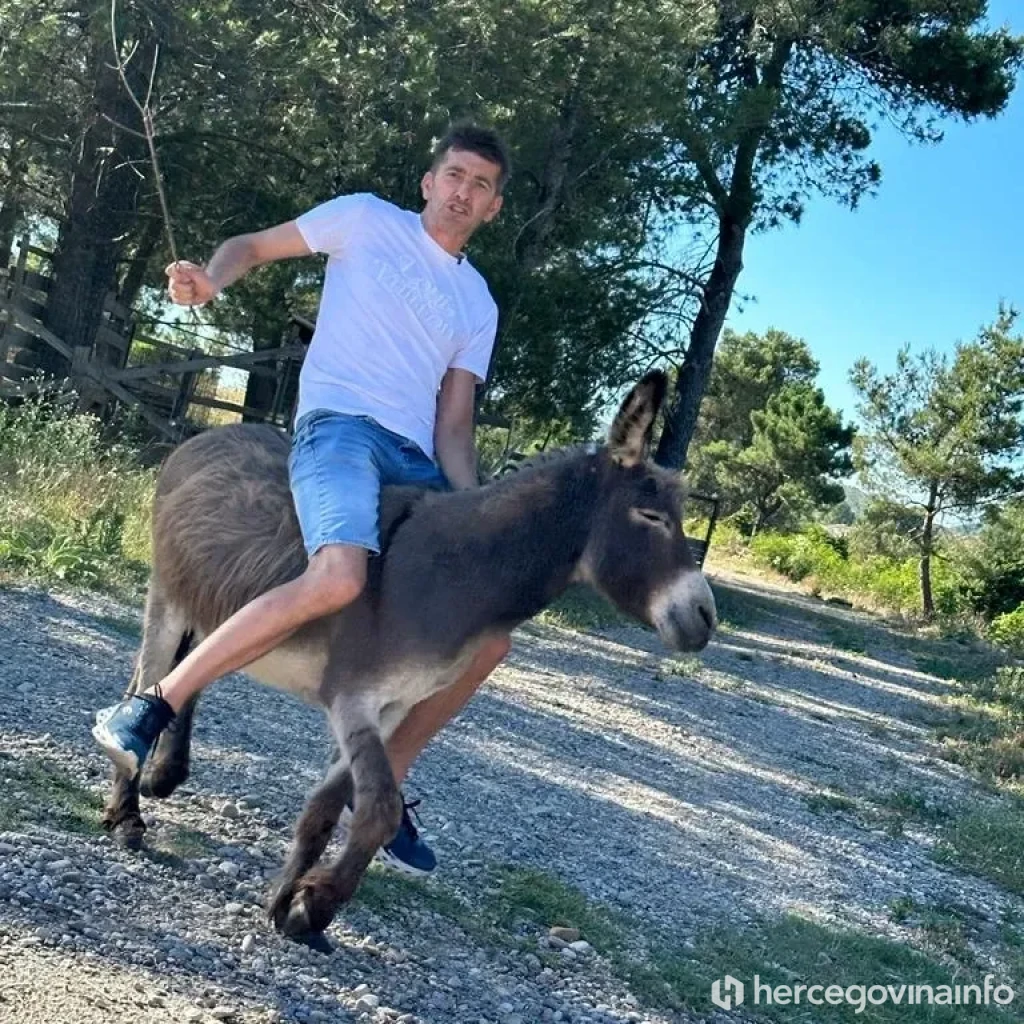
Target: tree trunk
(135, 275)
(927, 541)
(736, 204)
(10, 205)
(102, 205)
(692, 379)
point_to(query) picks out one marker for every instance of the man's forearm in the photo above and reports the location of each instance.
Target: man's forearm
(457, 456)
(232, 260)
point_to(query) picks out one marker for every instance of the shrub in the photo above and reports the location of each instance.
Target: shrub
(75, 504)
(1007, 630)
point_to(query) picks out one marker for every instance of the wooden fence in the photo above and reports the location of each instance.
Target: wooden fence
(113, 369)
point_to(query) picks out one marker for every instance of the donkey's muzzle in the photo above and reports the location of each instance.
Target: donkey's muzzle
(684, 612)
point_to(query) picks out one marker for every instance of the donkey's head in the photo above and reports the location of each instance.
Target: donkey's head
(637, 554)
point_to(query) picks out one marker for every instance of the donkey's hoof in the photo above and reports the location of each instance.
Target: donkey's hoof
(161, 780)
(305, 908)
(130, 833)
(279, 904)
(316, 941)
(127, 830)
(298, 920)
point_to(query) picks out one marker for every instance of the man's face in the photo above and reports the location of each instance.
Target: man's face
(461, 193)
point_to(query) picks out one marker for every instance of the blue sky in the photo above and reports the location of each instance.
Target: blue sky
(924, 262)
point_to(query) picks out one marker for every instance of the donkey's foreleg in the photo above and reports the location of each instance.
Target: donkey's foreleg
(312, 834)
(377, 813)
(165, 641)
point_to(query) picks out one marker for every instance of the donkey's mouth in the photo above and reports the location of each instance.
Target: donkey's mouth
(684, 613)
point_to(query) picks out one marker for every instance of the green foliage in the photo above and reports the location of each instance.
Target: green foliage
(262, 112)
(990, 842)
(769, 446)
(994, 562)
(948, 433)
(796, 951)
(780, 105)
(580, 608)
(886, 529)
(823, 562)
(987, 734)
(748, 370)
(1007, 630)
(33, 790)
(810, 553)
(76, 505)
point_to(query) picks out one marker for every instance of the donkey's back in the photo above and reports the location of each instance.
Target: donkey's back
(224, 523)
(224, 526)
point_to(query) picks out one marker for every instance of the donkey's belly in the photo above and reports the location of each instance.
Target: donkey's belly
(398, 694)
(295, 669)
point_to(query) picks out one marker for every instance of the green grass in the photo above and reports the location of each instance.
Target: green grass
(738, 609)
(175, 843)
(527, 896)
(582, 609)
(679, 668)
(794, 951)
(846, 637)
(985, 730)
(519, 904)
(915, 806)
(990, 843)
(830, 803)
(75, 502)
(967, 667)
(37, 792)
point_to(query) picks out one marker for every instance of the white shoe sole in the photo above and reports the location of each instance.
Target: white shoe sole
(382, 856)
(389, 860)
(125, 760)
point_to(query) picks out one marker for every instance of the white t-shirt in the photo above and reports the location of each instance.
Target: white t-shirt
(397, 311)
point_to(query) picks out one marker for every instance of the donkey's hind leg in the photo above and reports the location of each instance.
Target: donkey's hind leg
(376, 816)
(312, 834)
(165, 641)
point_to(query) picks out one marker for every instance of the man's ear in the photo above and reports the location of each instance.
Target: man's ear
(494, 209)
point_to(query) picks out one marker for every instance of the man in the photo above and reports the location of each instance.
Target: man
(386, 395)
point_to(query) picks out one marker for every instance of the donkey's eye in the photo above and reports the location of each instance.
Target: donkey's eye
(650, 517)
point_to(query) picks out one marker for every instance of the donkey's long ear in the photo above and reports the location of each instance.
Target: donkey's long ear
(630, 435)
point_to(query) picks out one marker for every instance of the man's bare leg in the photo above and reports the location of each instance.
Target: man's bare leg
(334, 578)
(407, 852)
(428, 717)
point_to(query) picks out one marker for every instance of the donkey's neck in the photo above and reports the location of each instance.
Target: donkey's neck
(511, 547)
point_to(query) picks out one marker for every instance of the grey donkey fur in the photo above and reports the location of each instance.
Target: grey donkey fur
(456, 568)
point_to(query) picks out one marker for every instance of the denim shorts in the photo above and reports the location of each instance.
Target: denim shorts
(337, 466)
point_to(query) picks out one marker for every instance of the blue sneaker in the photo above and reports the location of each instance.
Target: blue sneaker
(407, 852)
(128, 731)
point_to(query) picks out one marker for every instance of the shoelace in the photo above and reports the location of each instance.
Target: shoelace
(407, 806)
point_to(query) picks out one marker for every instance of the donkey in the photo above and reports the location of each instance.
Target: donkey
(455, 569)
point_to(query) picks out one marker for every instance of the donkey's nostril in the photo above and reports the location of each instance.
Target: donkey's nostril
(706, 616)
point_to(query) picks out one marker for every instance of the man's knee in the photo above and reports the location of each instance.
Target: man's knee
(334, 578)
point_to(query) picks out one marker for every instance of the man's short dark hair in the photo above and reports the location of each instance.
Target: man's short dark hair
(473, 138)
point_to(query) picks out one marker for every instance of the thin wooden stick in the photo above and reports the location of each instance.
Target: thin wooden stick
(147, 121)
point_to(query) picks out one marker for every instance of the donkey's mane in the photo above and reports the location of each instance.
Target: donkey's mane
(544, 459)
